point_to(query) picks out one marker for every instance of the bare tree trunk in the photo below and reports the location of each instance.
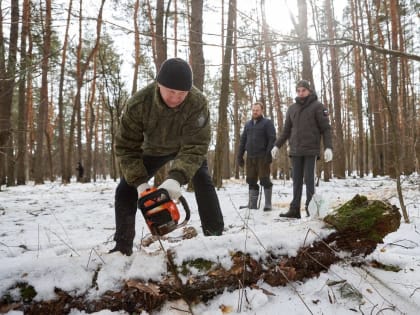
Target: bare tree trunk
(161, 49)
(236, 104)
(302, 32)
(136, 46)
(61, 134)
(43, 106)
(30, 112)
(7, 84)
(152, 31)
(339, 152)
(161, 55)
(176, 24)
(222, 126)
(22, 105)
(358, 89)
(393, 106)
(196, 43)
(90, 123)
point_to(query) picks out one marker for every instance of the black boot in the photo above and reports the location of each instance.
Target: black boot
(124, 234)
(267, 194)
(125, 248)
(292, 213)
(253, 199)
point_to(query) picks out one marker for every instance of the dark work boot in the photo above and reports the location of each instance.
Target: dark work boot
(124, 234)
(267, 194)
(292, 213)
(125, 248)
(253, 199)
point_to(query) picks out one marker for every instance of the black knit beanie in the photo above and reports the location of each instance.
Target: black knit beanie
(305, 84)
(175, 74)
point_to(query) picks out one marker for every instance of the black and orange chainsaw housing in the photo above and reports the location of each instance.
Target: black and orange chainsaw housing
(160, 212)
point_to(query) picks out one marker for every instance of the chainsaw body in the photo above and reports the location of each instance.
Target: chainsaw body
(160, 211)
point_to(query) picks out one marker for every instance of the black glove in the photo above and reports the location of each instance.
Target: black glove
(241, 162)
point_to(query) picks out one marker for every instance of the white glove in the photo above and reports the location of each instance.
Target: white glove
(142, 187)
(328, 155)
(274, 152)
(172, 187)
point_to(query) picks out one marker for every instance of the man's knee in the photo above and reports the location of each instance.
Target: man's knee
(266, 182)
(252, 183)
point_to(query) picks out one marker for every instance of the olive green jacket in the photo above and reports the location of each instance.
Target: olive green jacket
(149, 127)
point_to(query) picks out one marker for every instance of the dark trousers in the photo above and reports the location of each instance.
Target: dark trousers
(258, 168)
(302, 166)
(208, 203)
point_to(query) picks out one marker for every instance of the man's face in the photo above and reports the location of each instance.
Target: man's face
(302, 92)
(172, 98)
(256, 111)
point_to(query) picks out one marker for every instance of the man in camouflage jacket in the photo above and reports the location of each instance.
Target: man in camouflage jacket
(168, 120)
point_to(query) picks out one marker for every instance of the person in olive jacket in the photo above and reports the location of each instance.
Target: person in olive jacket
(168, 120)
(306, 121)
(257, 140)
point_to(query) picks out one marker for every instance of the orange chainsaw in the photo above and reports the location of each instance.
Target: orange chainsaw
(160, 212)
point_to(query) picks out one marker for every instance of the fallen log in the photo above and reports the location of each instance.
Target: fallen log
(359, 224)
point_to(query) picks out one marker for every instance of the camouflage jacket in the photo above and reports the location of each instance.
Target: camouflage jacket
(149, 127)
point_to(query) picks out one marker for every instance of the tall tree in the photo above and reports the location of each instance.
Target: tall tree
(61, 133)
(339, 160)
(358, 88)
(222, 125)
(7, 84)
(161, 48)
(43, 105)
(196, 43)
(136, 46)
(22, 105)
(302, 31)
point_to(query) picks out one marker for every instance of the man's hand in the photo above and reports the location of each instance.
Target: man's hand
(241, 162)
(142, 187)
(328, 155)
(274, 152)
(172, 187)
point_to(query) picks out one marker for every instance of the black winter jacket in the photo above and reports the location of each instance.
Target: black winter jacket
(257, 139)
(306, 121)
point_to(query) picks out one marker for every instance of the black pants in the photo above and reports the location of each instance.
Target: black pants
(303, 166)
(208, 203)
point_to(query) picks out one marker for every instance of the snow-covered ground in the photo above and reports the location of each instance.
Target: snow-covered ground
(55, 235)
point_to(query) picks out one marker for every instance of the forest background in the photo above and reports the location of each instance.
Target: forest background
(67, 69)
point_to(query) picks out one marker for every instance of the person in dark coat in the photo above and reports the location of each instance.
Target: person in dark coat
(257, 140)
(80, 171)
(168, 120)
(306, 122)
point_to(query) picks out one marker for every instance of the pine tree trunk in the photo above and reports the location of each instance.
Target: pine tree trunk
(222, 126)
(43, 106)
(196, 43)
(22, 105)
(339, 162)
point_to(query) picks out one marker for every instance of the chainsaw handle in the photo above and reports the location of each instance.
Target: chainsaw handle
(187, 210)
(160, 195)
